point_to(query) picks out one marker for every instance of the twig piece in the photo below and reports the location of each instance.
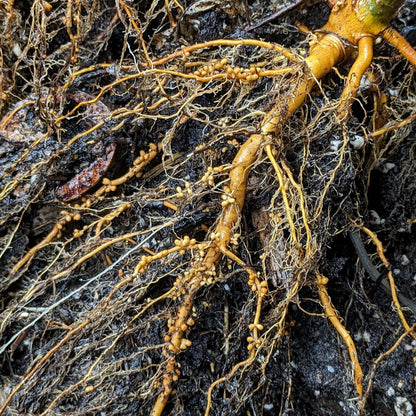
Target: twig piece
(380, 251)
(373, 273)
(275, 15)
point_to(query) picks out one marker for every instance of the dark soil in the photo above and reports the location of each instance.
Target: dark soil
(307, 371)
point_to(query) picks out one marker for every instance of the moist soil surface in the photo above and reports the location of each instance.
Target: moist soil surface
(114, 365)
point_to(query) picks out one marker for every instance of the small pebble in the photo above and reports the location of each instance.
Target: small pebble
(357, 142)
(335, 145)
(405, 260)
(390, 392)
(403, 407)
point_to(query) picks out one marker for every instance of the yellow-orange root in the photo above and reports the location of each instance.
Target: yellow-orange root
(380, 252)
(401, 44)
(331, 314)
(363, 61)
